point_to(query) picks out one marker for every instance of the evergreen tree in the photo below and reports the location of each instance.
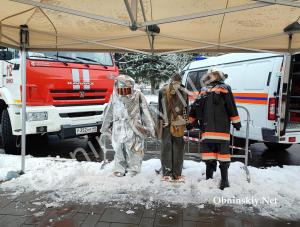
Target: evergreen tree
(151, 69)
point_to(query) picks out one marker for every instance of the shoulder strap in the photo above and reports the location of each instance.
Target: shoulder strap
(169, 100)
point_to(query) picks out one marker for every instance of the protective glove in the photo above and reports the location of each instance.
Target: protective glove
(237, 126)
(189, 126)
(108, 130)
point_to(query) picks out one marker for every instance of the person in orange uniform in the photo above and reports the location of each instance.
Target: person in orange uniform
(214, 110)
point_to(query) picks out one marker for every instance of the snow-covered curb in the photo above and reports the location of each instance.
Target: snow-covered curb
(273, 191)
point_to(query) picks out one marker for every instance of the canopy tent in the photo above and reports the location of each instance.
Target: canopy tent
(147, 26)
(99, 25)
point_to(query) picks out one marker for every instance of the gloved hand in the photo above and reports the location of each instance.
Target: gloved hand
(107, 130)
(189, 126)
(237, 126)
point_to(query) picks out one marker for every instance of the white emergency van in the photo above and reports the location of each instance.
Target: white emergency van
(268, 85)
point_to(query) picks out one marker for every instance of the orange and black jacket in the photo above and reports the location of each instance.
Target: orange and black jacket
(214, 110)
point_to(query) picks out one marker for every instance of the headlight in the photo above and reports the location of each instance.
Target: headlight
(37, 116)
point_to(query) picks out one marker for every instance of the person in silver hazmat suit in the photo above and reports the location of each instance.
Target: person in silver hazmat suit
(128, 119)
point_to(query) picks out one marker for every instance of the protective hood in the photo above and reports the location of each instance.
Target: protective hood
(128, 112)
(124, 86)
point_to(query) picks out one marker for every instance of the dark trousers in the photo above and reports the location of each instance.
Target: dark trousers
(215, 151)
(172, 153)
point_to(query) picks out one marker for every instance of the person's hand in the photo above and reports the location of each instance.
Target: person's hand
(141, 129)
(237, 126)
(165, 124)
(189, 126)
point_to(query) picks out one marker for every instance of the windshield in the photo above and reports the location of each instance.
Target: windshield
(86, 57)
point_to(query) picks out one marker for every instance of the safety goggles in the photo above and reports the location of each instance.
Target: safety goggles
(124, 91)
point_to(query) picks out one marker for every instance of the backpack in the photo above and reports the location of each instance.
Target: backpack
(178, 122)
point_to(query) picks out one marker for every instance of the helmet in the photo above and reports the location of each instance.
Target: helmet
(124, 85)
(212, 76)
(222, 76)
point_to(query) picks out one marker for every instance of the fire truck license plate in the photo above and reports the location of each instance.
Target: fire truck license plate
(86, 130)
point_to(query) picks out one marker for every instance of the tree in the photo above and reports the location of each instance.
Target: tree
(151, 69)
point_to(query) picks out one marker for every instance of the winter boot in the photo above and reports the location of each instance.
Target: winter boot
(224, 175)
(211, 166)
(118, 174)
(133, 173)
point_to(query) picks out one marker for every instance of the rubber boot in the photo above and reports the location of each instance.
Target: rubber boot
(211, 166)
(224, 175)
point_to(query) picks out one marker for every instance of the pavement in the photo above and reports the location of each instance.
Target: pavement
(22, 211)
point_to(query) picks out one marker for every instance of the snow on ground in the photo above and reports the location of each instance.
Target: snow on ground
(273, 191)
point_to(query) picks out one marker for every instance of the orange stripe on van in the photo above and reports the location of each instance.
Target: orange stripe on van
(258, 95)
(252, 101)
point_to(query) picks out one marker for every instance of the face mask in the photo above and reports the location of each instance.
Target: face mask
(124, 91)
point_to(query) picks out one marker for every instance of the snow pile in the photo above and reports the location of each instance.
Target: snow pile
(273, 191)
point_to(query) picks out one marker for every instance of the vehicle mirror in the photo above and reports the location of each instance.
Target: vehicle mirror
(6, 55)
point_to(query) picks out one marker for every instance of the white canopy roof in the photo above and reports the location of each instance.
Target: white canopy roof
(101, 25)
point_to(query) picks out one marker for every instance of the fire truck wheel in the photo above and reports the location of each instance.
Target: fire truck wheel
(277, 146)
(8, 139)
(96, 147)
(36, 139)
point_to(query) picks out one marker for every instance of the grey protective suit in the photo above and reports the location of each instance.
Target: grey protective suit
(128, 119)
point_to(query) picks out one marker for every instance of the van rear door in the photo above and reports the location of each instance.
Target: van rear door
(293, 104)
(283, 86)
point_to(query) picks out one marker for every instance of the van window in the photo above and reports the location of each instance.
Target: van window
(194, 79)
(15, 52)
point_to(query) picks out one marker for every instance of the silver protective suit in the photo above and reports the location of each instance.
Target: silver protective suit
(128, 119)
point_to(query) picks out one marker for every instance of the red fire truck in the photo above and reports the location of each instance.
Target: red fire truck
(66, 94)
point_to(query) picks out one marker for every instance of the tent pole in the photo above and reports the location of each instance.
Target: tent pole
(132, 12)
(24, 40)
(290, 43)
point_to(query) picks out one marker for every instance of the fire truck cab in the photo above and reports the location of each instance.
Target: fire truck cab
(66, 94)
